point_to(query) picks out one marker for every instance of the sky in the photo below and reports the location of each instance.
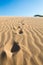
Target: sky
(21, 7)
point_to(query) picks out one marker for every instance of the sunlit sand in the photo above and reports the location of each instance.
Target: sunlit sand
(21, 41)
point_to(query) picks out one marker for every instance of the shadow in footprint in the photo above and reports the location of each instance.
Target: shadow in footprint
(15, 47)
(18, 26)
(22, 23)
(20, 32)
(3, 55)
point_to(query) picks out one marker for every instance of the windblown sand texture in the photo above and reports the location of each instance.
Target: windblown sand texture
(21, 41)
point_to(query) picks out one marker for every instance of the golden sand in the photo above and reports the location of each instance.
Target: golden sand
(25, 35)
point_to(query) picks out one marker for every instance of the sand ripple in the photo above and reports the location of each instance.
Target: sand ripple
(25, 33)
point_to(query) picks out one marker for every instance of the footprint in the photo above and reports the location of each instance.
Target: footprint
(15, 47)
(22, 23)
(18, 26)
(3, 55)
(20, 32)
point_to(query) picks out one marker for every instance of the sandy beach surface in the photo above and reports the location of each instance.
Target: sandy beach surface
(21, 41)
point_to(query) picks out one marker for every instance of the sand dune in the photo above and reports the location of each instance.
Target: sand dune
(21, 41)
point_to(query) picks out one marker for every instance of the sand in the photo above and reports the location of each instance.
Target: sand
(21, 41)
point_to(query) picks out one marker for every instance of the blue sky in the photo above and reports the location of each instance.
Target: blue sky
(21, 7)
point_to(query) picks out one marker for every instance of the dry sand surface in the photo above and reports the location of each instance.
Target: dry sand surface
(21, 41)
